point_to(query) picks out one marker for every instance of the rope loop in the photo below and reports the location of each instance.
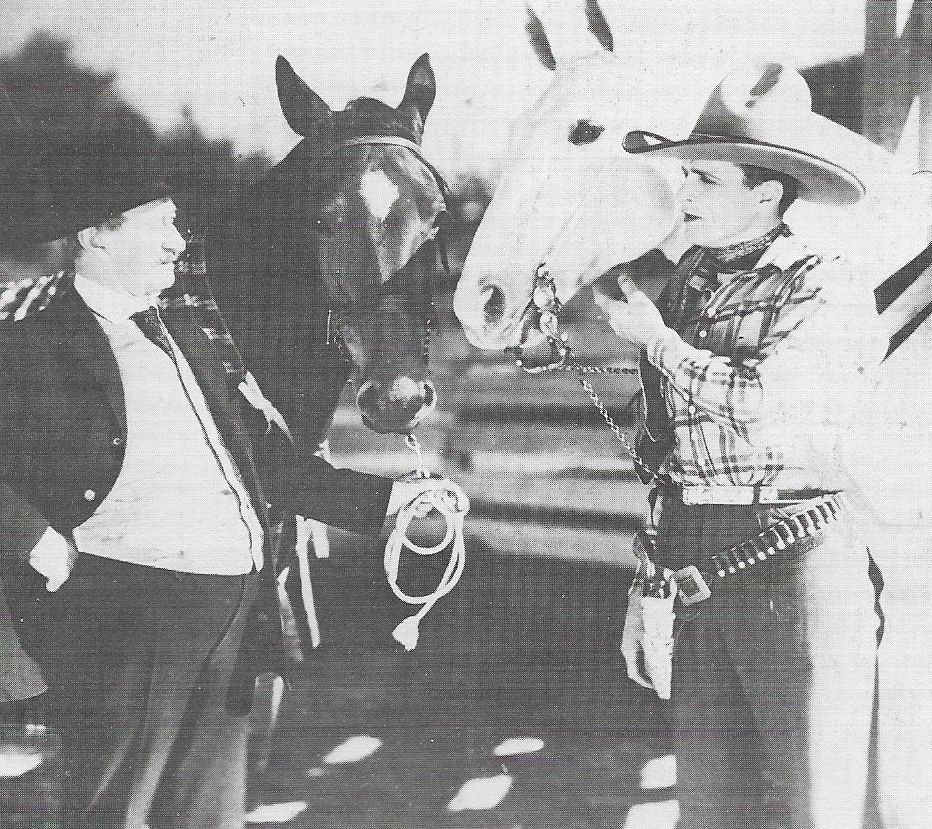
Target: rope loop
(453, 504)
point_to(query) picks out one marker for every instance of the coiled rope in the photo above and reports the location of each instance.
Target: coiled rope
(453, 504)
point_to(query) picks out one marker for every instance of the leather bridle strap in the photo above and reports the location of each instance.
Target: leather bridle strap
(393, 141)
(333, 315)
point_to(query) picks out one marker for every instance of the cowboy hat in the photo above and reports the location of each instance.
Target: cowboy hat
(762, 116)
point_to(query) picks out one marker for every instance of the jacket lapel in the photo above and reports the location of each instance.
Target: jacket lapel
(83, 334)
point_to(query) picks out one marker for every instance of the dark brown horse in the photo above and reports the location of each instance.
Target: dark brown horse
(334, 276)
(335, 272)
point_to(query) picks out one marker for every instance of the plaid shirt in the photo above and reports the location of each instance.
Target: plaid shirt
(763, 383)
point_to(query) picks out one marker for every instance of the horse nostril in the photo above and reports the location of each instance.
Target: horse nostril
(494, 304)
(430, 395)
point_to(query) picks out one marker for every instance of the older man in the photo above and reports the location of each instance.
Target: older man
(754, 366)
(119, 426)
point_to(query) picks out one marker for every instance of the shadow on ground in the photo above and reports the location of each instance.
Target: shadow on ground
(524, 648)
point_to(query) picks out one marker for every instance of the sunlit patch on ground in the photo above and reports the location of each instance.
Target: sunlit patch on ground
(16, 761)
(481, 793)
(659, 773)
(661, 815)
(277, 812)
(518, 745)
(353, 750)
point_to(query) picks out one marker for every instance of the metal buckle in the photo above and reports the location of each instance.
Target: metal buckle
(691, 586)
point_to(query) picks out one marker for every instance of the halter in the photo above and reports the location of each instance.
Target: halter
(334, 315)
(546, 307)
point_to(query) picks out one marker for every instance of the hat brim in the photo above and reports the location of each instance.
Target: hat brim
(820, 180)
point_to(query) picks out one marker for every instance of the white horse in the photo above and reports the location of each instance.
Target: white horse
(572, 201)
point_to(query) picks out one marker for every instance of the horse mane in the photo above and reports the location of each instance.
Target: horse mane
(262, 266)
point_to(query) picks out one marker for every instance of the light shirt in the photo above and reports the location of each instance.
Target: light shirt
(179, 502)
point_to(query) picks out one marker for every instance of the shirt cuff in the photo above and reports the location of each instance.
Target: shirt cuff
(667, 350)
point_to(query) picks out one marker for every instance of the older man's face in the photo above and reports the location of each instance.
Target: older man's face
(139, 255)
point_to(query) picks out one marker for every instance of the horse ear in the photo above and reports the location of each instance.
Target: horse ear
(539, 41)
(304, 110)
(598, 25)
(421, 88)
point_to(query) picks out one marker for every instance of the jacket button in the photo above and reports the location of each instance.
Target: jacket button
(117, 442)
(89, 495)
(263, 617)
(703, 333)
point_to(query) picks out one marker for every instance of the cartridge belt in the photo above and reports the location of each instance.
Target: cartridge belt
(693, 583)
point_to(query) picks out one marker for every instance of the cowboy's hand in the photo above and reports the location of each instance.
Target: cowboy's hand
(53, 557)
(634, 316)
(632, 643)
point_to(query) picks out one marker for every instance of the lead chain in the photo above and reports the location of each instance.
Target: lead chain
(616, 429)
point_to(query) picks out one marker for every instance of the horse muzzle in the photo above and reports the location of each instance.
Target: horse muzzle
(395, 406)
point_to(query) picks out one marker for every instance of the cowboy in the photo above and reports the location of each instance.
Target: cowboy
(119, 426)
(753, 363)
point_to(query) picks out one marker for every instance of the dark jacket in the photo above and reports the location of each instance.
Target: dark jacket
(63, 432)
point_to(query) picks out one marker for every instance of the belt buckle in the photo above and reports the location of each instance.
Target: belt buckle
(691, 586)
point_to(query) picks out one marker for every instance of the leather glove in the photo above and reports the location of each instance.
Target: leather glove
(632, 642)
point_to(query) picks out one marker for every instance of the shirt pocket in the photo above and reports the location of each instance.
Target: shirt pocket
(738, 331)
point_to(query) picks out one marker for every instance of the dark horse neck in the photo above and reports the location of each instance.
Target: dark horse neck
(266, 279)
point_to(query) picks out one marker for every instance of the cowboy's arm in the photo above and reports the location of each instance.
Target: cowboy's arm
(813, 367)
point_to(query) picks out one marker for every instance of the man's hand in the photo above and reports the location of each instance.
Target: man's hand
(632, 643)
(53, 557)
(634, 317)
(406, 490)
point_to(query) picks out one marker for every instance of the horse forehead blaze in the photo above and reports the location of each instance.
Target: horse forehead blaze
(378, 192)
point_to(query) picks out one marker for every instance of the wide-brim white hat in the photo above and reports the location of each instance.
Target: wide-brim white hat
(762, 116)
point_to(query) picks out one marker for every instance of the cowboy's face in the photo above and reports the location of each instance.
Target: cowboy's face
(719, 208)
(138, 253)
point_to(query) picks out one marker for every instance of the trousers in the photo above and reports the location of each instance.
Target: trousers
(138, 662)
(773, 676)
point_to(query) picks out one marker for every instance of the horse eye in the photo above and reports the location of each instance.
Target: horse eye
(585, 132)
